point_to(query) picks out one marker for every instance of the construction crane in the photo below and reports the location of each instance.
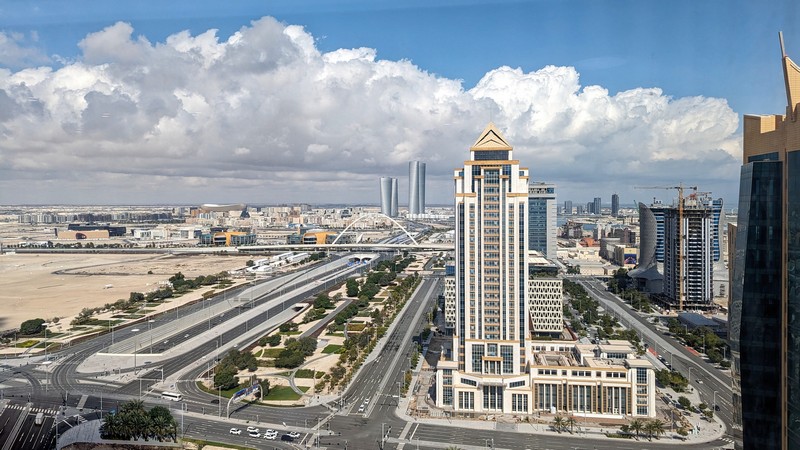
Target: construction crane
(680, 188)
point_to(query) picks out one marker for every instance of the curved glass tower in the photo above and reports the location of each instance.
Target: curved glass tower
(416, 188)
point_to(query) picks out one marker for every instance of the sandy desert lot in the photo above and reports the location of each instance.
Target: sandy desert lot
(55, 285)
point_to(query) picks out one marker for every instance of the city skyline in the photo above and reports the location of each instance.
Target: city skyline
(285, 103)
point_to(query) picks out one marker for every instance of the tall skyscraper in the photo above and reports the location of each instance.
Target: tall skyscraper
(389, 196)
(647, 270)
(598, 207)
(765, 292)
(615, 205)
(416, 188)
(568, 207)
(493, 365)
(542, 227)
(688, 266)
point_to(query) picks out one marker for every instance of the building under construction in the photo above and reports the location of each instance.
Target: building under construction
(688, 261)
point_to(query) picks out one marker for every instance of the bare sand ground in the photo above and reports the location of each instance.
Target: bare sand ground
(55, 285)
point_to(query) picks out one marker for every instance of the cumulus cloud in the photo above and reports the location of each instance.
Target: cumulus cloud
(16, 50)
(263, 116)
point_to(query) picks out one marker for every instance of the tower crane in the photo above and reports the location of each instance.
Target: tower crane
(680, 188)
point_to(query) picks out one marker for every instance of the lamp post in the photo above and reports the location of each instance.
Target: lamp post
(135, 345)
(715, 400)
(149, 324)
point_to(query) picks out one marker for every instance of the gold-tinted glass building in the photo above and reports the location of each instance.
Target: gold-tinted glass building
(765, 290)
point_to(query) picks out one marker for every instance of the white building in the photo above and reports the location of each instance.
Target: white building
(493, 365)
(588, 380)
(545, 295)
(449, 304)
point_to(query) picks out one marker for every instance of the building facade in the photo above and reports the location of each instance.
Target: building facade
(493, 365)
(416, 188)
(615, 205)
(764, 332)
(688, 265)
(545, 299)
(568, 207)
(542, 218)
(389, 196)
(597, 206)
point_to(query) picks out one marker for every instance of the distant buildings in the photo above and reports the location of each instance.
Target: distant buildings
(764, 316)
(389, 196)
(568, 207)
(615, 205)
(416, 188)
(542, 226)
(596, 206)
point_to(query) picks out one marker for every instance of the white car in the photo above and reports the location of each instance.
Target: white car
(361, 409)
(270, 431)
(294, 434)
(255, 434)
(271, 436)
(236, 431)
(252, 430)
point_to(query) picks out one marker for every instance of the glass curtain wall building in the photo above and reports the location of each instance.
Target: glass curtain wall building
(765, 290)
(416, 188)
(542, 215)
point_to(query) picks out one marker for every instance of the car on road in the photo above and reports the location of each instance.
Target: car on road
(252, 429)
(287, 438)
(255, 434)
(235, 431)
(271, 437)
(294, 434)
(361, 409)
(699, 381)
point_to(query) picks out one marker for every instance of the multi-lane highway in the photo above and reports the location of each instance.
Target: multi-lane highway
(714, 386)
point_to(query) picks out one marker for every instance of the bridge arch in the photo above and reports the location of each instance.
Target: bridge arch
(373, 215)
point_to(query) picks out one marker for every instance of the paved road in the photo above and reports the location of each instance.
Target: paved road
(703, 376)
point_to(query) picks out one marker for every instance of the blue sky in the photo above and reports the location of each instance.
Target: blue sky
(720, 50)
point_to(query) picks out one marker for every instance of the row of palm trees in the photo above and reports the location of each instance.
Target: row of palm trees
(650, 428)
(133, 422)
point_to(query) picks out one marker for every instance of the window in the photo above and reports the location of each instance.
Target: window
(507, 352)
(641, 375)
(466, 400)
(493, 398)
(469, 382)
(519, 403)
(447, 396)
(477, 356)
(515, 384)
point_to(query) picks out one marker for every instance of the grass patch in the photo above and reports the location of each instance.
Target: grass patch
(281, 393)
(272, 352)
(225, 393)
(27, 344)
(133, 316)
(619, 436)
(103, 322)
(335, 334)
(201, 443)
(356, 327)
(308, 373)
(151, 305)
(332, 348)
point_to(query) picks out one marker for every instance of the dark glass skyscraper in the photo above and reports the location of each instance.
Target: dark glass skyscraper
(615, 205)
(765, 290)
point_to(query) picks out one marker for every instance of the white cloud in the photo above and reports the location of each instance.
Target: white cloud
(265, 117)
(15, 51)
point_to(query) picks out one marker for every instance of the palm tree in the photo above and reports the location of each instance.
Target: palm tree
(655, 428)
(570, 423)
(636, 426)
(558, 423)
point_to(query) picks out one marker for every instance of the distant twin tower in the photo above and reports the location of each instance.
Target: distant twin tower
(416, 191)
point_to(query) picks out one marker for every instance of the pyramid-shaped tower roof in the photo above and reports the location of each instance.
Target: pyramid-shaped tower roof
(491, 139)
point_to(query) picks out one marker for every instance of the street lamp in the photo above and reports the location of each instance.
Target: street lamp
(149, 323)
(135, 345)
(715, 400)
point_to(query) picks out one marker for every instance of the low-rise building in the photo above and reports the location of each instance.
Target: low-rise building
(606, 380)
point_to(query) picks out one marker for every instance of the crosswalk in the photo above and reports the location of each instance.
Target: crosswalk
(33, 410)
